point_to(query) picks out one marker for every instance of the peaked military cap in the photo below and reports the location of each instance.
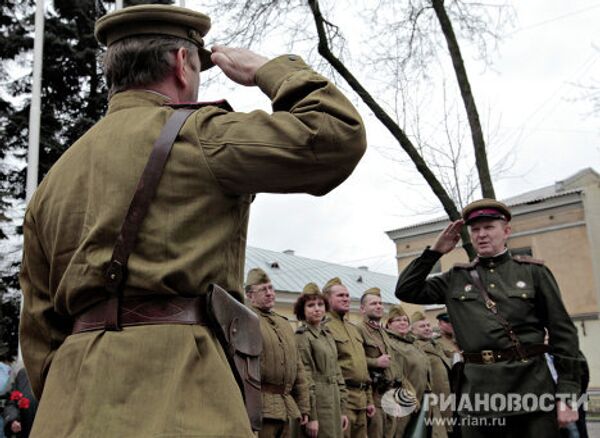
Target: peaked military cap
(443, 316)
(372, 291)
(311, 289)
(156, 20)
(396, 311)
(335, 281)
(485, 208)
(257, 276)
(417, 316)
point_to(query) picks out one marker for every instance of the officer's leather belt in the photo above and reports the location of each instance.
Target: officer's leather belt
(356, 385)
(147, 310)
(273, 389)
(492, 356)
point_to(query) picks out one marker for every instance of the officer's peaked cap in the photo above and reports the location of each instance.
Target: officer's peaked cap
(156, 20)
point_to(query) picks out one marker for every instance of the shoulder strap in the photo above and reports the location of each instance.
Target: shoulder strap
(146, 189)
(492, 307)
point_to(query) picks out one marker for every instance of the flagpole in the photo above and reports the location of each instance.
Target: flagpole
(33, 152)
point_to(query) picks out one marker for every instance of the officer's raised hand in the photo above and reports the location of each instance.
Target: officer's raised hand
(448, 238)
(240, 65)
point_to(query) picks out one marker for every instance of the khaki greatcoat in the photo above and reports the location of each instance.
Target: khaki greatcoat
(327, 388)
(164, 380)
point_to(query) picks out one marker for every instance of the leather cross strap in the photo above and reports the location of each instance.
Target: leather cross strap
(116, 273)
(492, 307)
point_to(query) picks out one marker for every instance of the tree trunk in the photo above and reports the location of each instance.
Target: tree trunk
(439, 191)
(487, 189)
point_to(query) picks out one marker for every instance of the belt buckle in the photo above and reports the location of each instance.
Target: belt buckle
(487, 356)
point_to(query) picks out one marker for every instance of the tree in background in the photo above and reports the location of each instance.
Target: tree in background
(395, 53)
(74, 96)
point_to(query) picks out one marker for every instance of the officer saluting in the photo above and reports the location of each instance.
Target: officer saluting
(499, 306)
(143, 362)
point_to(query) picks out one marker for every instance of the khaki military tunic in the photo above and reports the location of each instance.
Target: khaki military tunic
(440, 366)
(416, 369)
(353, 363)
(527, 296)
(164, 380)
(448, 345)
(327, 388)
(376, 342)
(281, 366)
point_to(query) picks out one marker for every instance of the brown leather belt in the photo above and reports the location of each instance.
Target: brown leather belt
(272, 389)
(492, 356)
(356, 385)
(145, 310)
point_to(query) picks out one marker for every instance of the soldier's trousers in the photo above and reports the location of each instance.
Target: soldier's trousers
(381, 425)
(531, 425)
(274, 429)
(357, 423)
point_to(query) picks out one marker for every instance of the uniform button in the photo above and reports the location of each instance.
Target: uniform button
(491, 270)
(462, 297)
(292, 57)
(524, 295)
(492, 285)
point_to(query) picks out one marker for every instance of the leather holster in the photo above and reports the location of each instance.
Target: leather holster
(238, 330)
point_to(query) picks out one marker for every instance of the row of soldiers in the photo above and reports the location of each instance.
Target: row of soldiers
(335, 378)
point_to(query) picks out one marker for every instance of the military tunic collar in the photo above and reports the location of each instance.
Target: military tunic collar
(134, 98)
(490, 262)
(337, 316)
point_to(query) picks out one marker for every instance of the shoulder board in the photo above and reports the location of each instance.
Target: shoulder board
(528, 259)
(469, 265)
(223, 104)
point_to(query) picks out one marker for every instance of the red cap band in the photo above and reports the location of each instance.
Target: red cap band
(486, 212)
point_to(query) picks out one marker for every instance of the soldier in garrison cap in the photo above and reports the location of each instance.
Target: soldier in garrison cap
(193, 233)
(351, 358)
(386, 367)
(416, 362)
(500, 307)
(440, 366)
(319, 355)
(284, 387)
(447, 336)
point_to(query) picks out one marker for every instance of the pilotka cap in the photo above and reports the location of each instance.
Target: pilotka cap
(257, 276)
(485, 209)
(156, 20)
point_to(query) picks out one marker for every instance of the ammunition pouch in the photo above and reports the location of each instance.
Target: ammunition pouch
(238, 331)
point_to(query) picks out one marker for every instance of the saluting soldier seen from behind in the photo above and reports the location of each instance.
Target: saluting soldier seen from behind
(284, 387)
(385, 366)
(351, 358)
(319, 355)
(500, 307)
(163, 379)
(416, 362)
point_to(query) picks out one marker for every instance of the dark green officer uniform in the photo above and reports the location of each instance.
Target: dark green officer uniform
(526, 295)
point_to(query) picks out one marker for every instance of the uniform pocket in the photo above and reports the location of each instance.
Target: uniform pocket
(524, 293)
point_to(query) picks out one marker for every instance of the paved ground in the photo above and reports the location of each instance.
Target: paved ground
(594, 429)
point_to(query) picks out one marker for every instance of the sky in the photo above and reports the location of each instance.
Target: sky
(530, 95)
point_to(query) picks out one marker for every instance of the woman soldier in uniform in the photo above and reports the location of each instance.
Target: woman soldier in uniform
(319, 355)
(416, 362)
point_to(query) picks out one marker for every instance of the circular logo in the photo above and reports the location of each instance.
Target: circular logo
(399, 402)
